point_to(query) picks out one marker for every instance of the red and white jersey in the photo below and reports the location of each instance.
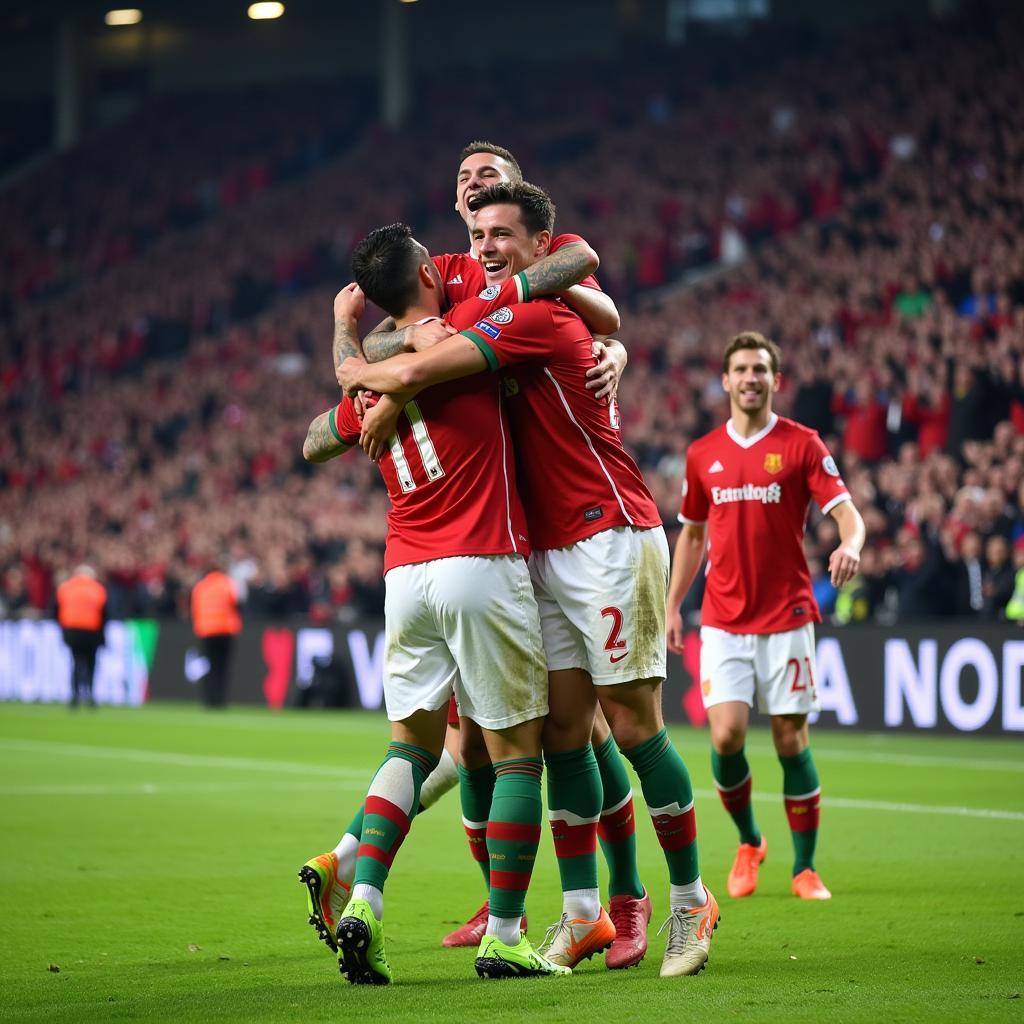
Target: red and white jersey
(452, 489)
(464, 278)
(754, 493)
(575, 477)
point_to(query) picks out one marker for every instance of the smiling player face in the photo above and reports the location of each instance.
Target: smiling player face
(750, 382)
(477, 172)
(503, 243)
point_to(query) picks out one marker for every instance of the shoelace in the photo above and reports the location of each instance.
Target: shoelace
(681, 925)
(552, 934)
(626, 918)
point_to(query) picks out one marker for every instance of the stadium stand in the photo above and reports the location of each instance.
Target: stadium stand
(165, 309)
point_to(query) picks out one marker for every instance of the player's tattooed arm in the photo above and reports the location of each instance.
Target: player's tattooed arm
(321, 443)
(349, 304)
(387, 339)
(560, 270)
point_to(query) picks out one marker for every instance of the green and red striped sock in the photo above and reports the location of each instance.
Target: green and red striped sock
(391, 801)
(574, 808)
(476, 791)
(669, 796)
(513, 833)
(734, 783)
(617, 828)
(802, 793)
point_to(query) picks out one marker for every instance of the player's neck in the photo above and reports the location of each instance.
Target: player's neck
(418, 313)
(749, 424)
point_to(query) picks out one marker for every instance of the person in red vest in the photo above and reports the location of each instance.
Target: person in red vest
(82, 614)
(216, 621)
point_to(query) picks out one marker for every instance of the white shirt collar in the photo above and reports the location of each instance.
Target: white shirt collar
(749, 442)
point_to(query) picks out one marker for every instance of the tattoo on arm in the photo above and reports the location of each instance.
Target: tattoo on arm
(384, 343)
(321, 444)
(346, 342)
(558, 271)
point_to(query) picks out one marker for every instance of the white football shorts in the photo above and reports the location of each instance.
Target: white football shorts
(469, 624)
(779, 667)
(602, 604)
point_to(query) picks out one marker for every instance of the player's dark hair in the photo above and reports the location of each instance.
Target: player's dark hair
(385, 264)
(536, 210)
(480, 146)
(753, 340)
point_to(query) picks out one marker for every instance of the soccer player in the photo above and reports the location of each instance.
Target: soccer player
(328, 876)
(482, 164)
(747, 488)
(460, 613)
(600, 568)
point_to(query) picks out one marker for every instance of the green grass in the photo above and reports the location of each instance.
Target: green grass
(151, 854)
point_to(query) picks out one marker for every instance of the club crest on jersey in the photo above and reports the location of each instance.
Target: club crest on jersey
(489, 329)
(773, 462)
(490, 292)
(501, 316)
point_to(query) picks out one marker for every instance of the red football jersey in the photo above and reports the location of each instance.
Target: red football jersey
(575, 477)
(464, 278)
(754, 493)
(452, 489)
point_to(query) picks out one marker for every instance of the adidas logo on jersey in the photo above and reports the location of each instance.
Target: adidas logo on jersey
(716, 467)
(457, 279)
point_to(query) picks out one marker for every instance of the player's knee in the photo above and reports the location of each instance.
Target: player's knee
(728, 737)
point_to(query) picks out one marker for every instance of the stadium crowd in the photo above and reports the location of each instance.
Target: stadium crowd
(857, 202)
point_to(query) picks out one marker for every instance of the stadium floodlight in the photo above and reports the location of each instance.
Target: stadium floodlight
(265, 11)
(124, 16)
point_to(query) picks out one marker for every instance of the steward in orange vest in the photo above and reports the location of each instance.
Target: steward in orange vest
(216, 621)
(82, 614)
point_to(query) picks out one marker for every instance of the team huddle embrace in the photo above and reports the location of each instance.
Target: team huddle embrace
(529, 607)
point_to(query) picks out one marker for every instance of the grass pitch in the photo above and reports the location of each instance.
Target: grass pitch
(151, 856)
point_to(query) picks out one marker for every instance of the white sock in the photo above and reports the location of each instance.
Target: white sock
(504, 929)
(372, 895)
(689, 896)
(584, 904)
(346, 851)
(443, 778)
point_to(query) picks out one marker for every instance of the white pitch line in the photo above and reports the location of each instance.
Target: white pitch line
(253, 764)
(171, 789)
(182, 760)
(853, 804)
(909, 760)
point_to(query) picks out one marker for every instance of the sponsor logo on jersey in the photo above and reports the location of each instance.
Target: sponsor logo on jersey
(773, 462)
(593, 513)
(716, 467)
(706, 687)
(829, 465)
(490, 293)
(799, 610)
(770, 495)
(615, 659)
(488, 329)
(501, 316)
(457, 279)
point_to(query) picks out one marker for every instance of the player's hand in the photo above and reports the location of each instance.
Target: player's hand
(843, 564)
(423, 336)
(603, 378)
(348, 375)
(362, 401)
(379, 423)
(674, 630)
(349, 303)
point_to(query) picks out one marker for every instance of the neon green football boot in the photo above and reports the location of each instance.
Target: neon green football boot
(497, 959)
(361, 956)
